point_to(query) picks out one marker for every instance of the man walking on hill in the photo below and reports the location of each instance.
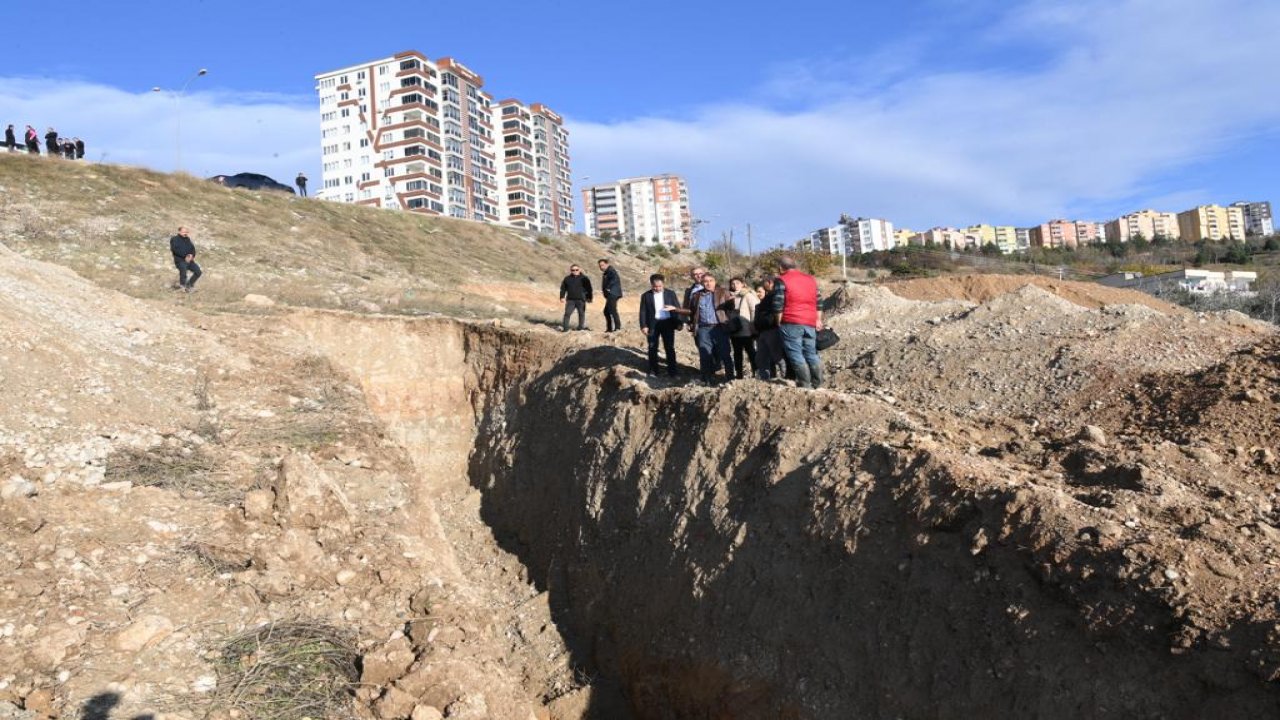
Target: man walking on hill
(795, 303)
(575, 292)
(657, 321)
(10, 139)
(611, 287)
(51, 142)
(301, 182)
(79, 149)
(184, 258)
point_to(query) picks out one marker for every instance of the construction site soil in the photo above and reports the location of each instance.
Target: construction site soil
(1012, 500)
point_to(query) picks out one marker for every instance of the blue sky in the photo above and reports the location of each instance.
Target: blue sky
(927, 112)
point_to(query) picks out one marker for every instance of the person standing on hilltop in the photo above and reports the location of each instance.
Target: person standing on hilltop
(742, 329)
(657, 322)
(795, 303)
(575, 292)
(184, 258)
(10, 139)
(611, 286)
(51, 142)
(33, 141)
(79, 149)
(301, 182)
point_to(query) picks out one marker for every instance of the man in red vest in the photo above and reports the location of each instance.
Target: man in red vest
(795, 302)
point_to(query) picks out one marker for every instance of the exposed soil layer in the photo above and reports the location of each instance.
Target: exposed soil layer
(1014, 508)
(982, 288)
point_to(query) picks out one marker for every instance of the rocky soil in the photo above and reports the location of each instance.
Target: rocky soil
(1038, 503)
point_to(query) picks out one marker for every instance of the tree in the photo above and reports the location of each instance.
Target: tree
(990, 250)
(1272, 243)
(1139, 243)
(1238, 254)
(1117, 248)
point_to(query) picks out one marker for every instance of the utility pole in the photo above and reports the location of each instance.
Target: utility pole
(728, 256)
(749, 252)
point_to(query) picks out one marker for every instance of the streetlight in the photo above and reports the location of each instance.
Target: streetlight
(177, 116)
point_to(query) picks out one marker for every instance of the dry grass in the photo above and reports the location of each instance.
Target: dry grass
(185, 470)
(111, 224)
(288, 671)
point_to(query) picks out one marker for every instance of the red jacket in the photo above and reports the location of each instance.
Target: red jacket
(799, 298)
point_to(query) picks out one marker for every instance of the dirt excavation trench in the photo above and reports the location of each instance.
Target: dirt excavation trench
(765, 552)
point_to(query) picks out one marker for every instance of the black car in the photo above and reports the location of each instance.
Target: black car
(252, 181)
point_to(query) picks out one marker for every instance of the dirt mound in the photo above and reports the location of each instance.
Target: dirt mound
(982, 288)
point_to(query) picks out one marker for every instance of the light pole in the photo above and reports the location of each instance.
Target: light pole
(177, 116)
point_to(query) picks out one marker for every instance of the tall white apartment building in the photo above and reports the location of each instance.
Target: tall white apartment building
(650, 210)
(537, 190)
(1257, 217)
(864, 235)
(410, 133)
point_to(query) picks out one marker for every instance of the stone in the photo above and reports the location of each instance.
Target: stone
(144, 632)
(306, 496)
(387, 663)
(40, 701)
(258, 505)
(1204, 455)
(345, 576)
(395, 704)
(17, 486)
(49, 650)
(1254, 396)
(426, 712)
(9, 711)
(1093, 434)
(258, 300)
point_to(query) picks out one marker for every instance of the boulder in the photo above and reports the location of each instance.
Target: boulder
(305, 496)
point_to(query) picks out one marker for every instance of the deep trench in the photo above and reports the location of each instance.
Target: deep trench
(719, 554)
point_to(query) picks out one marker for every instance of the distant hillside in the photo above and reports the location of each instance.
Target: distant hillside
(111, 224)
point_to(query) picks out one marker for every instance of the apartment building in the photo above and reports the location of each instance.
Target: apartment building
(1055, 234)
(825, 240)
(651, 210)
(943, 237)
(1257, 217)
(1006, 238)
(1090, 233)
(410, 133)
(537, 187)
(864, 235)
(1211, 222)
(1147, 223)
(1023, 238)
(902, 237)
(981, 233)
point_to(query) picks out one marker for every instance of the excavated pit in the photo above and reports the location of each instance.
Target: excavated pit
(763, 552)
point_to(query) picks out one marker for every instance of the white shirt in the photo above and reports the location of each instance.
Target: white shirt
(660, 311)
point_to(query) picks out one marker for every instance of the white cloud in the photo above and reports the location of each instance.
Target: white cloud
(219, 133)
(1127, 92)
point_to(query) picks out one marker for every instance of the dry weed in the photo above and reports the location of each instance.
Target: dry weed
(288, 671)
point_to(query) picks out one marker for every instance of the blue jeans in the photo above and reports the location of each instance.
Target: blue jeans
(800, 344)
(713, 342)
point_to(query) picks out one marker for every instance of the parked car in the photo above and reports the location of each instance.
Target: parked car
(251, 181)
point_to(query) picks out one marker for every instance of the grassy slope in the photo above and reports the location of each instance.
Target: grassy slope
(112, 223)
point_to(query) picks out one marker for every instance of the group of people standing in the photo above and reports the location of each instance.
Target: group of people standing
(769, 325)
(69, 148)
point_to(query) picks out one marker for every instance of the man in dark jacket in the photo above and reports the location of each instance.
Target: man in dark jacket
(79, 149)
(575, 291)
(10, 139)
(611, 287)
(51, 142)
(658, 320)
(301, 182)
(184, 258)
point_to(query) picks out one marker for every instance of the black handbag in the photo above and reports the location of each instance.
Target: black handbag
(826, 338)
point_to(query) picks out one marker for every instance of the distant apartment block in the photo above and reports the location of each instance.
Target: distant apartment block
(950, 238)
(410, 133)
(1023, 238)
(538, 189)
(1055, 234)
(1147, 223)
(1004, 237)
(1257, 217)
(824, 240)
(1211, 222)
(864, 235)
(1090, 233)
(902, 237)
(651, 210)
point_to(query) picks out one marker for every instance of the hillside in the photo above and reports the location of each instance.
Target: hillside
(112, 223)
(1010, 500)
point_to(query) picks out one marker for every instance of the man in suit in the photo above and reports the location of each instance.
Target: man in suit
(611, 286)
(709, 316)
(658, 321)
